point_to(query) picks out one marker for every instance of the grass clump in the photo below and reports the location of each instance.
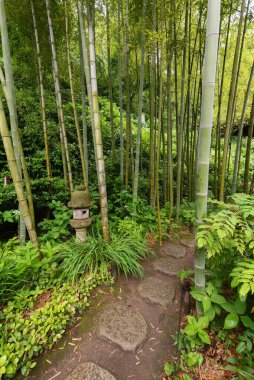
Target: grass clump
(96, 254)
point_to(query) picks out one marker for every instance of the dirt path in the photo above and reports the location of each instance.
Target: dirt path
(126, 332)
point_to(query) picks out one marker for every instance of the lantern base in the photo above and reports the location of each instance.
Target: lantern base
(81, 234)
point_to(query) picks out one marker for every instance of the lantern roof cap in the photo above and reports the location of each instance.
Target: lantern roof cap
(80, 198)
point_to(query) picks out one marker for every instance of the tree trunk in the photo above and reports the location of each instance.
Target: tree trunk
(248, 150)
(230, 109)
(140, 103)
(59, 96)
(181, 126)
(11, 101)
(76, 119)
(83, 100)
(120, 85)
(97, 128)
(43, 110)
(152, 112)
(127, 94)
(85, 56)
(205, 132)
(15, 173)
(110, 90)
(218, 122)
(240, 131)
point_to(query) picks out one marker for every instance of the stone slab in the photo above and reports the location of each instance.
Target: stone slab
(174, 251)
(157, 291)
(124, 326)
(169, 266)
(90, 371)
(189, 243)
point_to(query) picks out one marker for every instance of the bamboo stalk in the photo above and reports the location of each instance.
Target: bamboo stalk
(205, 133)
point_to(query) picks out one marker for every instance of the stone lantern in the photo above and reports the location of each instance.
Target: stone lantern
(80, 203)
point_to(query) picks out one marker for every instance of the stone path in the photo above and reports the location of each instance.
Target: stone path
(126, 332)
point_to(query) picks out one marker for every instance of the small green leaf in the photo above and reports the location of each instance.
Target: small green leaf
(247, 322)
(216, 298)
(197, 295)
(231, 321)
(206, 304)
(203, 323)
(204, 337)
(190, 330)
(169, 368)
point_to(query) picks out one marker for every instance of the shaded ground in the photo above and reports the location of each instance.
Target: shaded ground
(81, 343)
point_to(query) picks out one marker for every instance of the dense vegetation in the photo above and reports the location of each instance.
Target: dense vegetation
(132, 100)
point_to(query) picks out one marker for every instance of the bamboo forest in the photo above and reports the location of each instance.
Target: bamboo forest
(127, 189)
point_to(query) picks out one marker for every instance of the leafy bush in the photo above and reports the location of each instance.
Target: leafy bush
(21, 265)
(57, 228)
(10, 216)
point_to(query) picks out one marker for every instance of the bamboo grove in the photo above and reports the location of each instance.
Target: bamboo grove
(147, 59)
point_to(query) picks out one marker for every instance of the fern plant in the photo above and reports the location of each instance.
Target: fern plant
(229, 228)
(243, 277)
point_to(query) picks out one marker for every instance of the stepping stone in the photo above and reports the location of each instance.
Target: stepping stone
(90, 371)
(188, 243)
(157, 291)
(175, 251)
(124, 326)
(169, 266)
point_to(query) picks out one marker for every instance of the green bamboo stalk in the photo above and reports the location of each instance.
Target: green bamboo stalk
(59, 96)
(15, 173)
(181, 125)
(240, 131)
(75, 112)
(42, 96)
(85, 55)
(110, 89)
(83, 101)
(248, 150)
(127, 93)
(97, 128)
(152, 111)
(120, 86)
(140, 103)
(11, 101)
(205, 132)
(230, 109)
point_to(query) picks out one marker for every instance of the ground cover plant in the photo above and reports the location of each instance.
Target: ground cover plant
(43, 290)
(220, 342)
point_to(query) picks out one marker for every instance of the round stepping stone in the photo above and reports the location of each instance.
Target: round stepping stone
(90, 371)
(124, 326)
(169, 266)
(157, 291)
(175, 251)
(188, 243)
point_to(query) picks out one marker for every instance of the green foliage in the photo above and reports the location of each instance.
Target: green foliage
(194, 359)
(56, 229)
(169, 368)
(125, 250)
(195, 331)
(230, 229)
(243, 277)
(44, 191)
(187, 214)
(49, 310)
(244, 367)
(10, 216)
